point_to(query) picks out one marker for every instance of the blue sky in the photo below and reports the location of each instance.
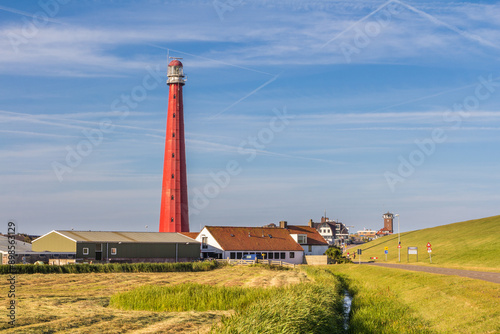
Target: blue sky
(291, 108)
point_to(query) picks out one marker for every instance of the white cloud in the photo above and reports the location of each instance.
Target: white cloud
(78, 50)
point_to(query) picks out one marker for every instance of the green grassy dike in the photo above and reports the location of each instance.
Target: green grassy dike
(396, 301)
(472, 245)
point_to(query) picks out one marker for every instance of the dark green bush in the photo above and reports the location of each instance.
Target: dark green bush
(108, 268)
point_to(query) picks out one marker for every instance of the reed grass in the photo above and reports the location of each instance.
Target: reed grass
(188, 297)
(303, 308)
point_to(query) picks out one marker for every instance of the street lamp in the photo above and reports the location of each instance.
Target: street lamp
(399, 240)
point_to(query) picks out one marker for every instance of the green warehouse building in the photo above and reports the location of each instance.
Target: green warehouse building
(123, 247)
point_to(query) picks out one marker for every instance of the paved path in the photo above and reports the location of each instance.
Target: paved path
(482, 275)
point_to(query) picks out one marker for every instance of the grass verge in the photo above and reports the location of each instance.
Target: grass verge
(395, 301)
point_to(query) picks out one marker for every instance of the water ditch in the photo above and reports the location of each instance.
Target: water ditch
(347, 308)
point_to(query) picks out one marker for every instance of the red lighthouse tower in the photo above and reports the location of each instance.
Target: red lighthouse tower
(174, 215)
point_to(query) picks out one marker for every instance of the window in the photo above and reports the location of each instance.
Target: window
(239, 255)
(283, 256)
(172, 219)
(232, 255)
(310, 248)
(276, 255)
(172, 197)
(172, 176)
(204, 242)
(174, 96)
(85, 251)
(271, 255)
(174, 115)
(173, 134)
(292, 255)
(113, 251)
(302, 239)
(173, 155)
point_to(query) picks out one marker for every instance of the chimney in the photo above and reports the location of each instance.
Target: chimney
(311, 224)
(283, 224)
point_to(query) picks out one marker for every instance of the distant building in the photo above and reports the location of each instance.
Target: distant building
(370, 234)
(327, 229)
(388, 225)
(127, 247)
(333, 231)
(25, 255)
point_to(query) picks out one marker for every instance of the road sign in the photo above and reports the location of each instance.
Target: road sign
(429, 250)
(386, 252)
(386, 248)
(359, 251)
(429, 245)
(412, 251)
(399, 246)
(374, 258)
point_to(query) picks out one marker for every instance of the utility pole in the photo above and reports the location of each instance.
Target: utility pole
(399, 240)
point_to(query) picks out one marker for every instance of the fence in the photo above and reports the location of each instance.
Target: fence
(248, 262)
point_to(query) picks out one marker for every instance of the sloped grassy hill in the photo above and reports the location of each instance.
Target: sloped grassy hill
(473, 244)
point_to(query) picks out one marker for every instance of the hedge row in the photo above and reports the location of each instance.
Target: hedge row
(108, 268)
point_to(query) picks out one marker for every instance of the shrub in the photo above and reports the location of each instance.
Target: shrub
(109, 268)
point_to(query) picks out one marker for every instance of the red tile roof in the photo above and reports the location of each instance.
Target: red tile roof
(191, 235)
(384, 230)
(313, 236)
(253, 238)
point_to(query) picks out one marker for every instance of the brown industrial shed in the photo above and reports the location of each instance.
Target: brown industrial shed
(124, 247)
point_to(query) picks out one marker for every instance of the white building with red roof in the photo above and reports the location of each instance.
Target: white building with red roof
(309, 238)
(229, 242)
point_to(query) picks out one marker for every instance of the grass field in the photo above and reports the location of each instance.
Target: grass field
(388, 300)
(473, 245)
(78, 303)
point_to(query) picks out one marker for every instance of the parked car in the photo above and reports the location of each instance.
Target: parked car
(253, 257)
